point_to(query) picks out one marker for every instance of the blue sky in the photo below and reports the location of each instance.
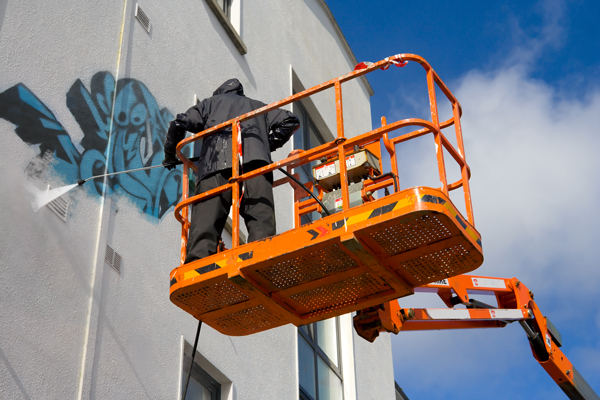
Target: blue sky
(527, 77)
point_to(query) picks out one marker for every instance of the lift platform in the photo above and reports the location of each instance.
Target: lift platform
(345, 262)
(359, 256)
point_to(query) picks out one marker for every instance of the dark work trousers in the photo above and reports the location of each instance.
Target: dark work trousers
(209, 216)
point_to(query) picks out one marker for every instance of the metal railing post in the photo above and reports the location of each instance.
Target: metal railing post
(439, 148)
(235, 190)
(340, 142)
(463, 168)
(185, 212)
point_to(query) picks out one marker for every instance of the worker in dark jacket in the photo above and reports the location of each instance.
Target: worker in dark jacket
(260, 136)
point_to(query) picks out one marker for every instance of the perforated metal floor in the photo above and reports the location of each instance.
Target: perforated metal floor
(348, 261)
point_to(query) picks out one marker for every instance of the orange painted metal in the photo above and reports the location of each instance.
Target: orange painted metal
(515, 303)
(342, 263)
(356, 258)
(235, 190)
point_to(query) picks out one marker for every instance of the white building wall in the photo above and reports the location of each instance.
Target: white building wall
(72, 327)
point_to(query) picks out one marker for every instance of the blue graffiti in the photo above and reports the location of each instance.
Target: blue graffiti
(127, 136)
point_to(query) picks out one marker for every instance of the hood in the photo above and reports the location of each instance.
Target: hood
(231, 85)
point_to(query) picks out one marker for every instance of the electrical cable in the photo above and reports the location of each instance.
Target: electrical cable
(305, 188)
(187, 381)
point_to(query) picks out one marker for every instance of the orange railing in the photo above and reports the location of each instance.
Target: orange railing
(340, 146)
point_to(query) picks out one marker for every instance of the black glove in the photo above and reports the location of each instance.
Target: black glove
(171, 161)
(281, 132)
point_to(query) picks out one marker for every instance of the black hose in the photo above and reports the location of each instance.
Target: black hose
(305, 188)
(536, 341)
(378, 177)
(192, 363)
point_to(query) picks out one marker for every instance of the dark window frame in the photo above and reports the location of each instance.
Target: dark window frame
(307, 124)
(202, 377)
(226, 23)
(321, 353)
(227, 8)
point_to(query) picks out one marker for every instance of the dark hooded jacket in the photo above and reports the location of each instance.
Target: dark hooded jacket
(260, 135)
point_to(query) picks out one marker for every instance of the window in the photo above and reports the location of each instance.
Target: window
(306, 138)
(226, 7)
(319, 361)
(202, 386)
(228, 13)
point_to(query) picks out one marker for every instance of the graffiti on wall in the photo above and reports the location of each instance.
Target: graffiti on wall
(136, 134)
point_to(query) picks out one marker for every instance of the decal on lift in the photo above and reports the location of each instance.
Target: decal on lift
(207, 268)
(219, 264)
(442, 282)
(338, 225)
(489, 283)
(428, 198)
(173, 281)
(203, 270)
(378, 211)
(324, 171)
(350, 161)
(548, 340)
(504, 314)
(382, 210)
(321, 232)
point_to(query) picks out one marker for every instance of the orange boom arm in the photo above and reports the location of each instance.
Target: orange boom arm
(515, 303)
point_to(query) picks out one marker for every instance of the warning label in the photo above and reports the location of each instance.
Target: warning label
(339, 204)
(324, 171)
(350, 161)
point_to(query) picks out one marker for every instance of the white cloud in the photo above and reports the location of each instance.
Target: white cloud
(535, 187)
(534, 156)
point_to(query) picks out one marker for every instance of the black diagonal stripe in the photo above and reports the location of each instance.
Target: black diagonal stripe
(375, 213)
(428, 198)
(173, 281)
(314, 234)
(461, 222)
(338, 225)
(382, 210)
(479, 243)
(207, 268)
(388, 208)
(246, 256)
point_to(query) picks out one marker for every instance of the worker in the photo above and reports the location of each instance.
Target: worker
(260, 135)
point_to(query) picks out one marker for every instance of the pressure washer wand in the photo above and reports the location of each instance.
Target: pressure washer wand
(41, 198)
(82, 181)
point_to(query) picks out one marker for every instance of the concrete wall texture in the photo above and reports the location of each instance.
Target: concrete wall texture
(70, 325)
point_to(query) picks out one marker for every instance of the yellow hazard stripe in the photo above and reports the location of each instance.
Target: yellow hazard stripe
(451, 209)
(193, 273)
(403, 203)
(472, 234)
(190, 274)
(358, 218)
(364, 216)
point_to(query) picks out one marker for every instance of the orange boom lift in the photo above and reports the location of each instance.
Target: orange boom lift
(365, 252)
